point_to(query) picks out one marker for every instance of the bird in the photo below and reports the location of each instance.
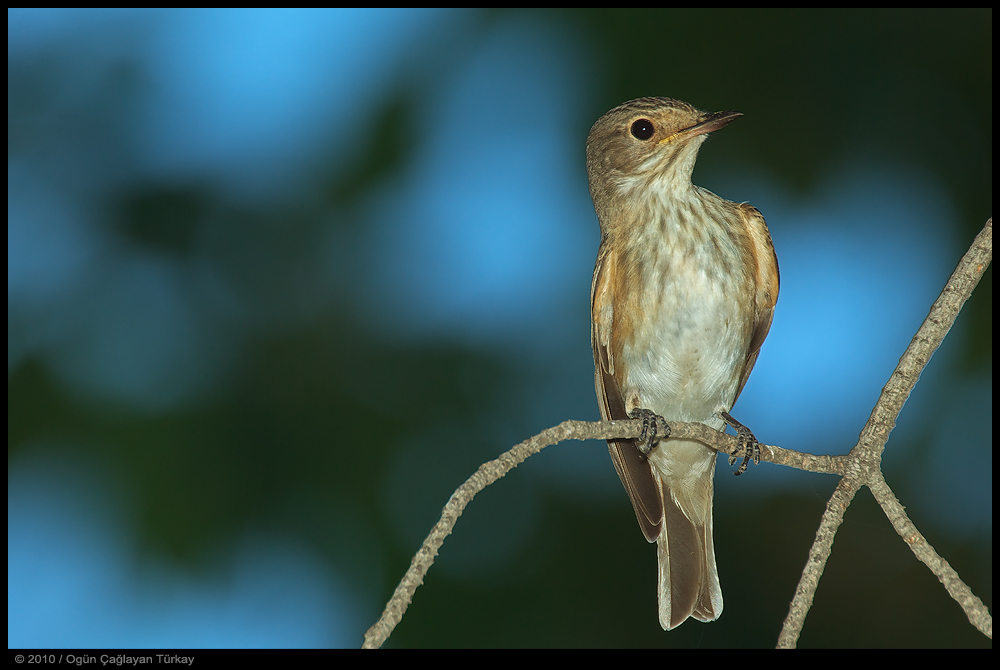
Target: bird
(683, 296)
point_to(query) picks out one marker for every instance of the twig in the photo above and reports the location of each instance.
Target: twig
(863, 467)
(567, 430)
(859, 468)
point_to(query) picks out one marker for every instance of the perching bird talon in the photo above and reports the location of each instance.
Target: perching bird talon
(654, 429)
(748, 445)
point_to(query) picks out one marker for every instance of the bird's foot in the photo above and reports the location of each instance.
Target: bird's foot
(747, 445)
(654, 429)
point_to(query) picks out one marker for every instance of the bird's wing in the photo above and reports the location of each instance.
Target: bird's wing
(633, 469)
(766, 281)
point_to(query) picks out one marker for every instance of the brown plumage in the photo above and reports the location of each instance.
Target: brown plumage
(683, 293)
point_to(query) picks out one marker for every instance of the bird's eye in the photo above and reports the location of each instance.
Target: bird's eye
(643, 129)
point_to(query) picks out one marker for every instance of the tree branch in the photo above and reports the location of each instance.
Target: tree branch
(865, 460)
(859, 468)
(568, 430)
(975, 609)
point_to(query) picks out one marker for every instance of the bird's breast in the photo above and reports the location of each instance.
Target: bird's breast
(686, 332)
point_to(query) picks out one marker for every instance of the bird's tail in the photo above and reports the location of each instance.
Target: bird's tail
(688, 580)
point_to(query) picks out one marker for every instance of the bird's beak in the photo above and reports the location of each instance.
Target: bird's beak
(710, 123)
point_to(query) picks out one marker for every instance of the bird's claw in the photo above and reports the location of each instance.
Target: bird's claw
(654, 429)
(747, 445)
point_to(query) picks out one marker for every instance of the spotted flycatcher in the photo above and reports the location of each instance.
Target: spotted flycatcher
(683, 292)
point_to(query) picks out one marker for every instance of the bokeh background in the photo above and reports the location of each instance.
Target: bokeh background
(279, 281)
